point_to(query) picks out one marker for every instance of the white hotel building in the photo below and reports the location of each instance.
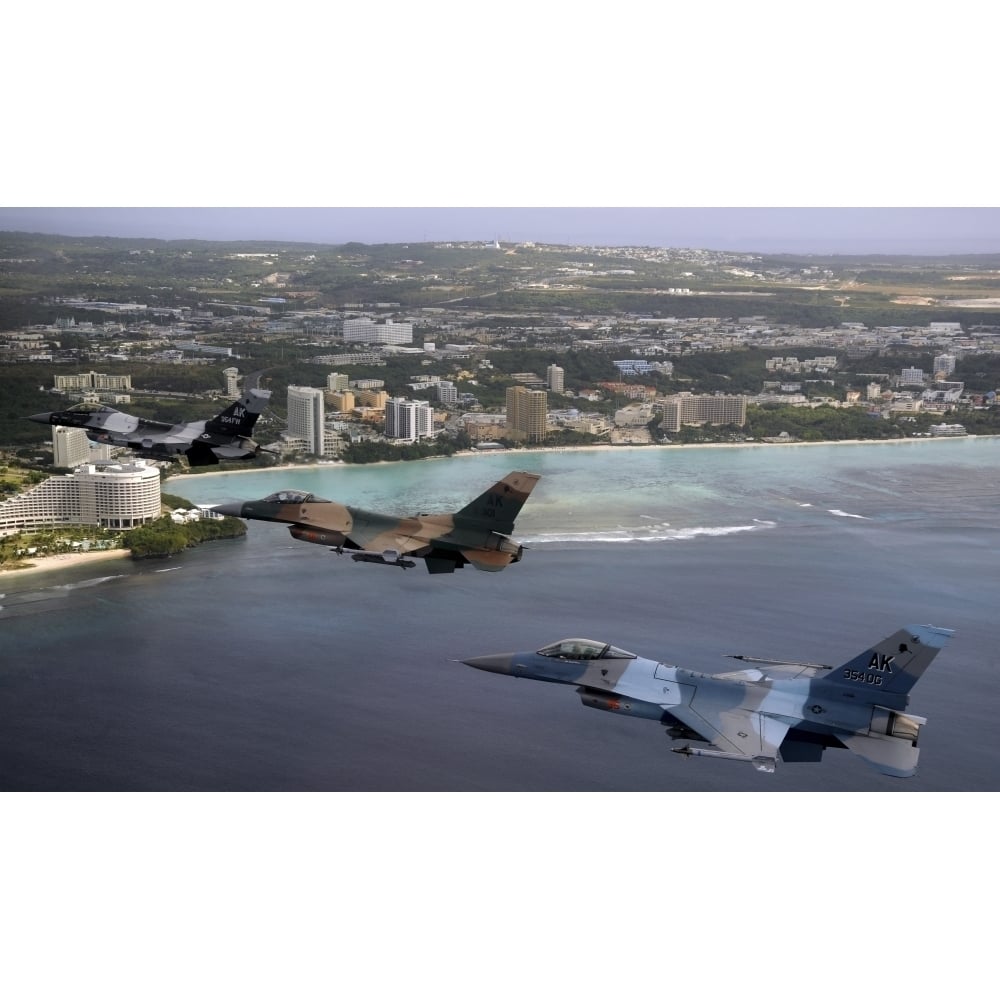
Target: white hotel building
(71, 447)
(307, 416)
(367, 331)
(408, 420)
(307, 428)
(113, 496)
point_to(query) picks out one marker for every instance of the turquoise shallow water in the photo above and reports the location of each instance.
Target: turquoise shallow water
(267, 663)
(652, 494)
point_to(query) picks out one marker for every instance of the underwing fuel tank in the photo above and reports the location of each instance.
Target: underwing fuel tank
(316, 535)
(334, 539)
(622, 706)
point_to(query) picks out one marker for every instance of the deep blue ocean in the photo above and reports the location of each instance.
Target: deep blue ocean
(270, 664)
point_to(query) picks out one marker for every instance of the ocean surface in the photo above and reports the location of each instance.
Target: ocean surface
(270, 664)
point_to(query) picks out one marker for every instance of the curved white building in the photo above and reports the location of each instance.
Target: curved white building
(112, 496)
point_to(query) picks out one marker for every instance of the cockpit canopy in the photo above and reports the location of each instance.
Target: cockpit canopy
(293, 496)
(584, 649)
(89, 408)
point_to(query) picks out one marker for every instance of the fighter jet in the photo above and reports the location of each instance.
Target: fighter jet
(478, 533)
(775, 710)
(202, 442)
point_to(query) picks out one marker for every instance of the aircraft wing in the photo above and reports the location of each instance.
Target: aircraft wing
(748, 674)
(409, 545)
(740, 733)
(405, 535)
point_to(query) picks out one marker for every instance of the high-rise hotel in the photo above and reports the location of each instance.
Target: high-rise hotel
(408, 419)
(112, 496)
(527, 413)
(688, 408)
(367, 331)
(306, 416)
(71, 447)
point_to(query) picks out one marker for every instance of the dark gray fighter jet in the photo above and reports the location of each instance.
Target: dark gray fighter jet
(478, 533)
(202, 442)
(768, 712)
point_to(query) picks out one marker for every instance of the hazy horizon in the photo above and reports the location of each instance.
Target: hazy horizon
(919, 231)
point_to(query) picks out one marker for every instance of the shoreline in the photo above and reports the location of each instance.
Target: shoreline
(62, 560)
(333, 464)
(65, 560)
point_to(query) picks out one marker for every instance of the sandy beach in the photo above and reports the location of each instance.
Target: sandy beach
(63, 560)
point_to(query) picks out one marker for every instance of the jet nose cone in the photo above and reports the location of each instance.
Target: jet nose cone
(497, 663)
(40, 418)
(229, 509)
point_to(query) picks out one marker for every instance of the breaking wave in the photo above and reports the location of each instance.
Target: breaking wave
(844, 513)
(93, 582)
(655, 533)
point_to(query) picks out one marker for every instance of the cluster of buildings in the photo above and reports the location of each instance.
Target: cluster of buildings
(322, 420)
(194, 335)
(528, 418)
(365, 402)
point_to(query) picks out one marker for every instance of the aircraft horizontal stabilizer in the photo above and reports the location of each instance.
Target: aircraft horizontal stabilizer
(889, 756)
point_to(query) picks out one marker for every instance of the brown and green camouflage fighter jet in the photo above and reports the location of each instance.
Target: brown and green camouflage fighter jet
(479, 533)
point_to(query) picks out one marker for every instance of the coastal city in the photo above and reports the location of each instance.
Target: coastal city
(484, 347)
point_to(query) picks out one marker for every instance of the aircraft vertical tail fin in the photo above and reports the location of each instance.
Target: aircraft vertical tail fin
(239, 418)
(885, 673)
(499, 506)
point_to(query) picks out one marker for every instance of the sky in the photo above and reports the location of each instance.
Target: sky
(767, 230)
(735, 128)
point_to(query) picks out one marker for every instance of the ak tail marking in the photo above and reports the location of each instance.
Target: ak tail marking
(238, 419)
(498, 507)
(885, 673)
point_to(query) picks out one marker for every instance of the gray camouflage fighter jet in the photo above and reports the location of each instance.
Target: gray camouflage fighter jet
(477, 534)
(202, 442)
(776, 710)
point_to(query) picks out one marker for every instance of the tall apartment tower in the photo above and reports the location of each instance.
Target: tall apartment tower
(527, 413)
(70, 447)
(944, 365)
(556, 378)
(408, 419)
(232, 382)
(306, 416)
(336, 382)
